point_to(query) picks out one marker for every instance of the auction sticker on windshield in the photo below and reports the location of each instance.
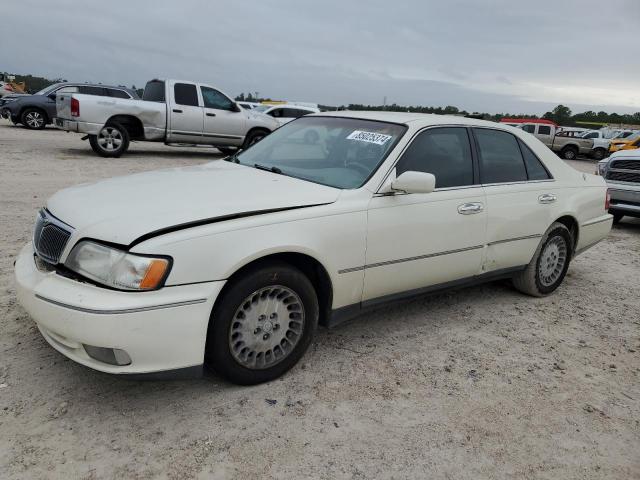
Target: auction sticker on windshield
(369, 137)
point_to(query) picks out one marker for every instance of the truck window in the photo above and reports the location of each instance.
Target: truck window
(544, 130)
(185, 94)
(500, 157)
(154, 91)
(214, 99)
(529, 128)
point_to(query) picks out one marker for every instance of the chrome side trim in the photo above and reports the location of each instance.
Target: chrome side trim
(122, 310)
(409, 259)
(596, 221)
(515, 239)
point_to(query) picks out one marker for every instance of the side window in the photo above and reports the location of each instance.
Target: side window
(529, 128)
(277, 113)
(591, 135)
(66, 90)
(185, 94)
(535, 169)
(87, 90)
(214, 99)
(544, 130)
(500, 157)
(118, 93)
(444, 152)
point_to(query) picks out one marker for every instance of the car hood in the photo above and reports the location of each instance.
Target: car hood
(123, 209)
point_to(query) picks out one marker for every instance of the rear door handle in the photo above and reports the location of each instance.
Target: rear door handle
(470, 208)
(547, 198)
(175, 110)
(211, 114)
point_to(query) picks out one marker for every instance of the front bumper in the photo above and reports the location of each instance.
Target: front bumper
(625, 198)
(160, 331)
(78, 127)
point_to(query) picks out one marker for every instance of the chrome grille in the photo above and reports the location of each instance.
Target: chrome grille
(50, 236)
(626, 164)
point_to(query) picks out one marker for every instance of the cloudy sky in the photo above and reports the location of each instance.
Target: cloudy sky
(489, 55)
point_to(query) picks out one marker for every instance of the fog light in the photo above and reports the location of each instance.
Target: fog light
(112, 356)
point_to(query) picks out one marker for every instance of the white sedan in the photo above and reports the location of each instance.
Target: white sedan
(232, 265)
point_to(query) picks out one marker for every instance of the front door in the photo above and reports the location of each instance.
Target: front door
(185, 114)
(416, 241)
(224, 123)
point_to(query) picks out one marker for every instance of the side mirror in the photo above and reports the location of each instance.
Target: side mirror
(236, 108)
(414, 182)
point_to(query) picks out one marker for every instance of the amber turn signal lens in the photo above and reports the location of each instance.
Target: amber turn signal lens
(155, 274)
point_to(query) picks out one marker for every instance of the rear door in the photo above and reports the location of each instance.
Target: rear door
(544, 133)
(223, 123)
(520, 194)
(185, 113)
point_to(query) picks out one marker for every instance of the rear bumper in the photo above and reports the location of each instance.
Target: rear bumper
(625, 199)
(78, 127)
(159, 331)
(593, 231)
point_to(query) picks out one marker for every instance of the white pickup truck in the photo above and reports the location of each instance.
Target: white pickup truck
(171, 111)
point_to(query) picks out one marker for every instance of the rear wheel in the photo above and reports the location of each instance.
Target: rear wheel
(254, 137)
(549, 265)
(569, 153)
(111, 141)
(262, 325)
(33, 119)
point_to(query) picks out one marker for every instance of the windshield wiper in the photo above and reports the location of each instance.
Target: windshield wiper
(268, 169)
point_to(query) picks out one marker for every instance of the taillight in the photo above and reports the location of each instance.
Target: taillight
(75, 107)
(8, 87)
(607, 200)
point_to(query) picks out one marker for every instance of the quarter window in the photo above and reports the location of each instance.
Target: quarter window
(118, 93)
(99, 91)
(500, 157)
(544, 130)
(185, 94)
(535, 169)
(443, 152)
(214, 99)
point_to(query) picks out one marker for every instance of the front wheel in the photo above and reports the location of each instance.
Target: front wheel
(599, 153)
(111, 141)
(33, 119)
(227, 150)
(549, 264)
(262, 325)
(254, 137)
(617, 217)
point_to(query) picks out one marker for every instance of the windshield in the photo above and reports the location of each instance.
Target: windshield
(48, 90)
(334, 151)
(631, 138)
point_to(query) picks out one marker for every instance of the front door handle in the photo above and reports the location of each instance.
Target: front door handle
(211, 114)
(470, 208)
(175, 110)
(547, 198)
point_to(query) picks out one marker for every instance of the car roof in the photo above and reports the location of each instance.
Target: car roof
(415, 119)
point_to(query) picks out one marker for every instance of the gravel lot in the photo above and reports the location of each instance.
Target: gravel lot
(478, 383)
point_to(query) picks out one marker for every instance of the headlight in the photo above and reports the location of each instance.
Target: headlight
(116, 268)
(601, 167)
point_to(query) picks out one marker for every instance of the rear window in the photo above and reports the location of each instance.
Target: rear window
(154, 91)
(185, 94)
(118, 93)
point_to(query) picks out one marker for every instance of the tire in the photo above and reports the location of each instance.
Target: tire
(243, 346)
(254, 137)
(599, 153)
(112, 141)
(569, 153)
(616, 217)
(34, 119)
(543, 274)
(227, 150)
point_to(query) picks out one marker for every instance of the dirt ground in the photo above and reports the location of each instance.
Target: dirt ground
(478, 383)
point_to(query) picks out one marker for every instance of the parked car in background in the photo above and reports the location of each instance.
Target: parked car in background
(564, 145)
(248, 105)
(622, 174)
(37, 111)
(286, 112)
(630, 142)
(171, 111)
(601, 142)
(233, 264)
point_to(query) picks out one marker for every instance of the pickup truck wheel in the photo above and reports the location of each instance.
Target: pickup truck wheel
(569, 153)
(33, 119)
(254, 137)
(112, 140)
(616, 217)
(262, 325)
(599, 153)
(549, 264)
